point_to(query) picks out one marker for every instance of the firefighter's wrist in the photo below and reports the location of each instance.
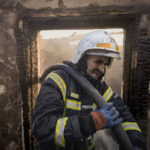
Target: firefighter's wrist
(87, 126)
(99, 120)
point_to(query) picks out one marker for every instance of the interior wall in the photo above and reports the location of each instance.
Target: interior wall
(10, 97)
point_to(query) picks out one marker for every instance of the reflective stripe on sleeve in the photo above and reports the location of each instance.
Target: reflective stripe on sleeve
(130, 126)
(72, 104)
(92, 146)
(59, 132)
(60, 82)
(94, 106)
(107, 94)
(74, 95)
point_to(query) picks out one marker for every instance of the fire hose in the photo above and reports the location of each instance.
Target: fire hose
(118, 131)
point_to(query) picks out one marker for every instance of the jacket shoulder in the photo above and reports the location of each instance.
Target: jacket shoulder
(104, 86)
(61, 74)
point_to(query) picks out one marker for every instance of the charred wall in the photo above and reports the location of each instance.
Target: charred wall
(20, 23)
(10, 104)
(139, 99)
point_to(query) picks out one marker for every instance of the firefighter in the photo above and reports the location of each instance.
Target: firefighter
(65, 117)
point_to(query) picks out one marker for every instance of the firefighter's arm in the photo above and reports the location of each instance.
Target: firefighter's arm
(129, 124)
(47, 111)
(49, 125)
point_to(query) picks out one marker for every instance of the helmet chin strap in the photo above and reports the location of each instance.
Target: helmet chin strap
(82, 65)
(102, 75)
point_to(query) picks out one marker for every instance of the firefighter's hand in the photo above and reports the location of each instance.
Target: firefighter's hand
(106, 117)
(111, 114)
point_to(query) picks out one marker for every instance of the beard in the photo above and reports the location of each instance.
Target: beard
(99, 73)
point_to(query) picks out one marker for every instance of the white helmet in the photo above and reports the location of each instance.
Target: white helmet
(99, 43)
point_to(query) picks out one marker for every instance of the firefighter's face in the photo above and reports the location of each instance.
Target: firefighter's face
(96, 65)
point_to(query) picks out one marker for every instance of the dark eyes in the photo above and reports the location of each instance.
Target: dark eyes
(101, 62)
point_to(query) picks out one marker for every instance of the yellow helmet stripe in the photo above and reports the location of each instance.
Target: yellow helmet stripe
(107, 45)
(117, 48)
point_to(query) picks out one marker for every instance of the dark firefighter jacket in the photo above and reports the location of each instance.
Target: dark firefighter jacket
(61, 117)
